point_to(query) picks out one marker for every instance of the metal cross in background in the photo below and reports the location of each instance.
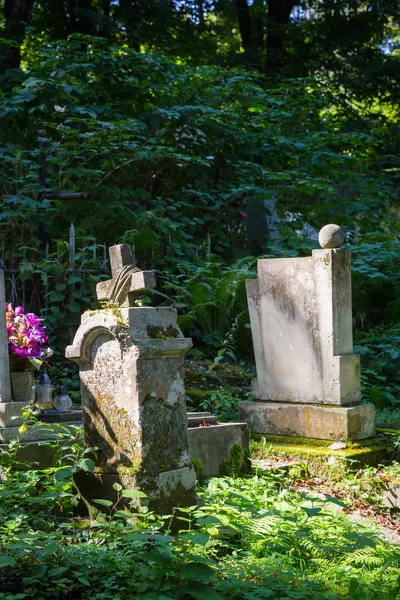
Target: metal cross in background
(49, 195)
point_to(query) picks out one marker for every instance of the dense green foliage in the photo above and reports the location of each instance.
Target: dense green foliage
(176, 143)
(251, 538)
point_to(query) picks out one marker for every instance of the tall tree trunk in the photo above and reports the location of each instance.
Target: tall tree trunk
(252, 29)
(129, 15)
(17, 15)
(277, 22)
(244, 20)
(80, 21)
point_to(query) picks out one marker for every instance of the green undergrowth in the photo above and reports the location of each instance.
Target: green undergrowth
(253, 538)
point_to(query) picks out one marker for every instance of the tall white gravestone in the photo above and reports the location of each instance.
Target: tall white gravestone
(308, 379)
(133, 397)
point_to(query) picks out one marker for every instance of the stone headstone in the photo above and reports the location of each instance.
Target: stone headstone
(262, 222)
(133, 396)
(10, 412)
(5, 385)
(308, 379)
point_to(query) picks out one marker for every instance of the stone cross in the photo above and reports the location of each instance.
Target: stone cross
(127, 281)
(5, 386)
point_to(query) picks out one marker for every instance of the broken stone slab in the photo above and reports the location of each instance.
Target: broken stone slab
(337, 446)
(213, 445)
(55, 416)
(199, 421)
(300, 420)
(11, 413)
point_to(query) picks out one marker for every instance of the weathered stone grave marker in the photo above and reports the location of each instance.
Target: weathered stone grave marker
(133, 398)
(10, 412)
(308, 379)
(5, 383)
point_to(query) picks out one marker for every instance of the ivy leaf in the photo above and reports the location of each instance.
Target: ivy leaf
(64, 473)
(202, 592)
(164, 560)
(7, 561)
(133, 494)
(86, 464)
(197, 571)
(311, 512)
(102, 502)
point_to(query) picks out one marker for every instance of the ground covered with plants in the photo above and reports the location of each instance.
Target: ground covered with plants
(272, 534)
(182, 120)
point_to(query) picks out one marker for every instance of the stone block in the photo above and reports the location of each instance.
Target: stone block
(213, 444)
(10, 413)
(313, 421)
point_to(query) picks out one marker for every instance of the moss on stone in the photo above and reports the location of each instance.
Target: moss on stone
(197, 394)
(199, 470)
(157, 332)
(162, 434)
(235, 465)
(320, 460)
(113, 307)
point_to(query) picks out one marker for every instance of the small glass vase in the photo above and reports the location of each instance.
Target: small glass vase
(62, 402)
(44, 393)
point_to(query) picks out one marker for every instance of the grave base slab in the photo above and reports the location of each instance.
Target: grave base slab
(317, 458)
(166, 491)
(10, 413)
(37, 433)
(309, 421)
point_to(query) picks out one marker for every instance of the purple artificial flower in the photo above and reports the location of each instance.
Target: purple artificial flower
(32, 320)
(21, 352)
(26, 335)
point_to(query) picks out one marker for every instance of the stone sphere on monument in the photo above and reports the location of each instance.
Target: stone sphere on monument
(331, 236)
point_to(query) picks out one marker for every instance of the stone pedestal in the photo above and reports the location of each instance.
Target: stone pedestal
(133, 403)
(307, 375)
(300, 420)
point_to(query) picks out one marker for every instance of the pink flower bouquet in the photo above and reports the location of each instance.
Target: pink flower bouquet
(26, 339)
